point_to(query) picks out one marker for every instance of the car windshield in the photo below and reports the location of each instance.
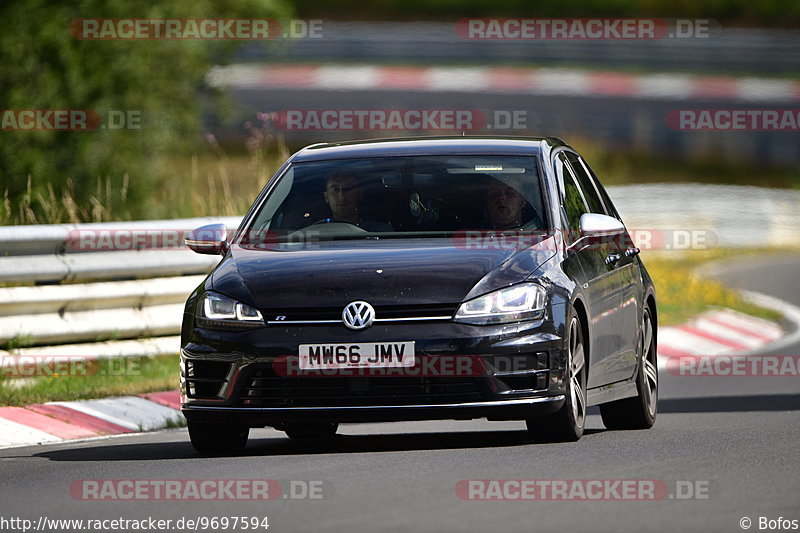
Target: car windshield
(399, 197)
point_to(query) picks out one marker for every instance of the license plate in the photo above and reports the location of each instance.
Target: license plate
(362, 355)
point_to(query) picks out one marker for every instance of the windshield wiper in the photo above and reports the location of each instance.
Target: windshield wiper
(408, 234)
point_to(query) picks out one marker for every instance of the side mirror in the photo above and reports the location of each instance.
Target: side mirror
(211, 239)
(596, 225)
(595, 229)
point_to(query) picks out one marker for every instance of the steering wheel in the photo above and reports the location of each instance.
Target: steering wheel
(334, 220)
(328, 227)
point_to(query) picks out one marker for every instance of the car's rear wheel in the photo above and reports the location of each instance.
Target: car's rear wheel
(638, 412)
(311, 430)
(567, 424)
(218, 439)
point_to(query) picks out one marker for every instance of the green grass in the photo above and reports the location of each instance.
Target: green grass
(207, 183)
(682, 293)
(108, 377)
(224, 181)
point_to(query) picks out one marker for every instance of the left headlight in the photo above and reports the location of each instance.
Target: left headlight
(525, 301)
(215, 309)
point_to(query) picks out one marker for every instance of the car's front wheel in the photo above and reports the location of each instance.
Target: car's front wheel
(567, 424)
(638, 412)
(218, 439)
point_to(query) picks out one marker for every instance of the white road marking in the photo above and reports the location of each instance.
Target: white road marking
(674, 339)
(15, 434)
(129, 412)
(722, 332)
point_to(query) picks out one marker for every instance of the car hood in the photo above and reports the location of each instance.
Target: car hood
(390, 272)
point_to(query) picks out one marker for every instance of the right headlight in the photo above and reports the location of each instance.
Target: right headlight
(218, 311)
(525, 301)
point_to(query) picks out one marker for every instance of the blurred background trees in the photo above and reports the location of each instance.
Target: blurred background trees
(173, 167)
(50, 175)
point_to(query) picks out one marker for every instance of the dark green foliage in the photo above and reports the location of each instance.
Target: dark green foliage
(42, 66)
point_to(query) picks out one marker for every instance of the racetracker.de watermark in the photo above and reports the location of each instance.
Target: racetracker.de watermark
(632, 241)
(337, 361)
(582, 29)
(199, 489)
(576, 490)
(123, 239)
(69, 120)
(734, 120)
(33, 366)
(734, 366)
(396, 119)
(200, 28)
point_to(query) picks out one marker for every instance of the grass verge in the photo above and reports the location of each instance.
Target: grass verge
(89, 380)
(220, 182)
(681, 293)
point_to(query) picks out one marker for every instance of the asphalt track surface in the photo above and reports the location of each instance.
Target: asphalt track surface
(736, 436)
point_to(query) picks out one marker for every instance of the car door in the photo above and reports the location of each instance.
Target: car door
(600, 282)
(626, 271)
(632, 288)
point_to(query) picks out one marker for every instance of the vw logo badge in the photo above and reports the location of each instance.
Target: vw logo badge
(358, 315)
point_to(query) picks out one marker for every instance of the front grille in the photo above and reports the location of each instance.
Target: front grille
(521, 372)
(532, 381)
(204, 379)
(381, 312)
(264, 389)
(416, 311)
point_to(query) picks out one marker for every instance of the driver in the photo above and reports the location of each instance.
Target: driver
(343, 194)
(504, 205)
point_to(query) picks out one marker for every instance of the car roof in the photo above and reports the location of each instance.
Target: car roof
(452, 145)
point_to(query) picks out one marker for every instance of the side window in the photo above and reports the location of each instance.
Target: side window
(610, 209)
(262, 221)
(587, 185)
(574, 205)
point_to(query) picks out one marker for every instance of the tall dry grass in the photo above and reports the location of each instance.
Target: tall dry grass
(205, 183)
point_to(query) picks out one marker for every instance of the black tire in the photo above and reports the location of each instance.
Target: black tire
(567, 424)
(640, 411)
(311, 430)
(218, 439)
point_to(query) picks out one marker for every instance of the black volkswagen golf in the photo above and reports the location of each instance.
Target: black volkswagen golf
(418, 279)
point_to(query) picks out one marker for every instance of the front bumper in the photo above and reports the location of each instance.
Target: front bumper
(230, 376)
(516, 409)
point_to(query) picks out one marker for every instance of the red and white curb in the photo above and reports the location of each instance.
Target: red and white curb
(58, 421)
(504, 80)
(724, 332)
(714, 333)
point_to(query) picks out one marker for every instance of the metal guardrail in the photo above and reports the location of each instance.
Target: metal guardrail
(40, 239)
(89, 311)
(107, 317)
(729, 216)
(100, 287)
(74, 252)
